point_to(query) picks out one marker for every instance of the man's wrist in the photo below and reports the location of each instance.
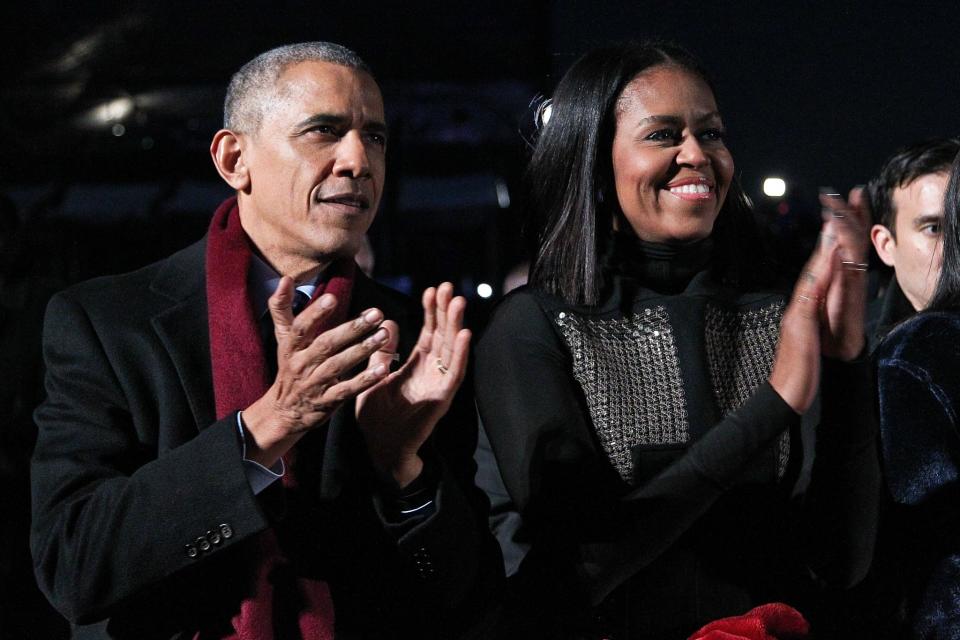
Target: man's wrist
(264, 445)
(400, 471)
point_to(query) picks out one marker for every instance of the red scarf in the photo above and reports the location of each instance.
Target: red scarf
(239, 378)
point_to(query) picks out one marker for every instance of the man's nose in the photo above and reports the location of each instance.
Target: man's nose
(691, 153)
(352, 158)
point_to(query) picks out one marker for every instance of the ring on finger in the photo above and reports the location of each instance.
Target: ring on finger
(850, 265)
(806, 298)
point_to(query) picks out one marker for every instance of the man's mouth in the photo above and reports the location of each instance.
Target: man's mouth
(350, 200)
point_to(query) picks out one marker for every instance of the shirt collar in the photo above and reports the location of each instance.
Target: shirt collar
(263, 280)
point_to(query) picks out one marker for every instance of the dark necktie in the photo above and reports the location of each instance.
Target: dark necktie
(300, 302)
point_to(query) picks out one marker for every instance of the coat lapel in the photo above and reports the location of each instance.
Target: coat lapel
(181, 325)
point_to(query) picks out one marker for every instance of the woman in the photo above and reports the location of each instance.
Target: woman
(919, 388)
(643, 396)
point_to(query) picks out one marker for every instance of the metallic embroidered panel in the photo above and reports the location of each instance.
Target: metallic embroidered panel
(630, 375)
(740, 350)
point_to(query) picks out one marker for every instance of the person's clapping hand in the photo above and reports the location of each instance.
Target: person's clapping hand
(847, 223)
(398, 414)
(312, 372)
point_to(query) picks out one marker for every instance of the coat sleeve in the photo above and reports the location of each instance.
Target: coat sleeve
(115, 515)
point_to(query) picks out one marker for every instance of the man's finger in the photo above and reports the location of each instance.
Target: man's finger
(444, 294)
(280, 305)
(333, 341)
(340, 364)
(385, 354)
(335, 395)
(459, 355)
(429, 300)
(455, 313)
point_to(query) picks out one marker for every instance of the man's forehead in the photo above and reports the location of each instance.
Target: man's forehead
(316, 84)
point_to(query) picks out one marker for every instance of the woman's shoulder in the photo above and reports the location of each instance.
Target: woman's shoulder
(927, 338)
(523, 310)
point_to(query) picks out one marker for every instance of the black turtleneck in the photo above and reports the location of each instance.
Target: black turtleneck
(666, 268)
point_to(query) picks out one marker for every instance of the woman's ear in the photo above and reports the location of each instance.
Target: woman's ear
(226, 150)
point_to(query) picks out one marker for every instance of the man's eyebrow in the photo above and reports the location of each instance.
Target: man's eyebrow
(926, 218)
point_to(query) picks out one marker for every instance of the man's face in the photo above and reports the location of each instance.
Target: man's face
(915, 252)
(315, 167)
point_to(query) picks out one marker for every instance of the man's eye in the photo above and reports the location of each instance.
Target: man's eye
(323, 130)
(932, 229)
(378, 139)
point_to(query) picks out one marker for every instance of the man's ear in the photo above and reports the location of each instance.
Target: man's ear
(884, 242)
(227, 153)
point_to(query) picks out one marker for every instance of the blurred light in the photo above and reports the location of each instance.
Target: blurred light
(503, 194)
(118, 129)
(484, 290)
(146, 143)
(114, 110)
(774, 187)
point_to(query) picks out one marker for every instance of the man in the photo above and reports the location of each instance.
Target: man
(907, 203)
(188, 484)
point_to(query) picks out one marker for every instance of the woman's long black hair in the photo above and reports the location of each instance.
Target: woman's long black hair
(947, 294)
(571, 200)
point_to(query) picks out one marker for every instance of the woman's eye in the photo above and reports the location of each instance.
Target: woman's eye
(713, 135)
(664, 135)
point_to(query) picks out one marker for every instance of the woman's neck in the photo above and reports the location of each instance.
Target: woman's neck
(663, 267)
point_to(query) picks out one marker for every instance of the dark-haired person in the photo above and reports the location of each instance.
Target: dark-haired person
(906, 199)
(224, 451)
(919, 389)
(645, 394)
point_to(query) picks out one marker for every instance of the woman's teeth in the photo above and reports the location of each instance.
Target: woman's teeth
(691, 188)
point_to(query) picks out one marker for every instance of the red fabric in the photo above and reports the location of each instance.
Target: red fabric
(774, 621)
(240, 377)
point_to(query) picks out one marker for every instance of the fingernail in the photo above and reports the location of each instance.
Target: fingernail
(379, 370)
(379, 336)
(371, 316)
(327, 301)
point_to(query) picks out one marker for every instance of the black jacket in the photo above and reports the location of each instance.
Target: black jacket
(131, 470)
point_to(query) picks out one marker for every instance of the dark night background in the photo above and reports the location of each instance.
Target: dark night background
(107, 110)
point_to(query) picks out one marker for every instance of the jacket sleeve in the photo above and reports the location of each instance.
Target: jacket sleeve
(115, 513)
(842, 502)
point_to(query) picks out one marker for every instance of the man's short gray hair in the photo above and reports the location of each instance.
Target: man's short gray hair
(253, 85)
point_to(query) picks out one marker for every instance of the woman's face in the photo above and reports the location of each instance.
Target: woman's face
(671, 167)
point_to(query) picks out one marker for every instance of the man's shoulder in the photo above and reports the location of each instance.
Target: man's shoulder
(178, 275)
(929, 338)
